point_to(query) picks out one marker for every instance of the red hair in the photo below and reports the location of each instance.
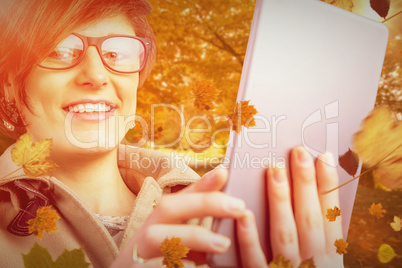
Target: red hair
(31, 28)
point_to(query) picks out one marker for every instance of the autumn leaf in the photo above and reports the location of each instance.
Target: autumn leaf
(386, 253)
(349, 161)
(243, 116)
(174, 252)
(280, 261)
(376, 210)
(40, 257)
(205, 94)
(341, 246)
(32, 157)
(396, 224)
(344, 4)
(309, 263)
(333, 213)
(381, 7)
(45, 220)
(379, 145)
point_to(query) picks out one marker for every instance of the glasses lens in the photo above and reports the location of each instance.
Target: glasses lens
(123, 54)
(66, 53)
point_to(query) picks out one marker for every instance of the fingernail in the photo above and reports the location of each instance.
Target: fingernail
(328, 158)
(220, 242)
(279, 174)
(234, 205)
(302, 155)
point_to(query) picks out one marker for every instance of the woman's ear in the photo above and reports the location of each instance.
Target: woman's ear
(10, 89)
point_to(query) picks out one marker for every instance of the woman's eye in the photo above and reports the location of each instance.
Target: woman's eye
(114, 56)
(62, 54)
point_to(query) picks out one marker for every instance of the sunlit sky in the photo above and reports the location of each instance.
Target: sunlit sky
(362, 7)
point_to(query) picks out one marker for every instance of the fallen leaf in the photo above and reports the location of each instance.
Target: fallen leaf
(396, 224)
(40, 257)
(386, 253)
(381, 7)
(309, 263)
(341, 246)
(376, 210)
(333, 213)
(174, 252)
(205, 94)
(32, 157)
(349, 161)
(344, 4)
(243, 115)
(280, 262)
(45, 220)
(378, 144)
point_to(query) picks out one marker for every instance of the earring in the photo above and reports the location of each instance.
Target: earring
(11, 111)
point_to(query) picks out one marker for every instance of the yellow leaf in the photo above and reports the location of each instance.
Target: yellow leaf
(376, 210)
(333, 213)
(243, 115)
(45, 220)
(396, 224)
(309, 263)
(344, 4)
(341, 246)
(32, 157)
(386, 253)
(378, 143)
(280, 262)
(205, 94)
(174, 252)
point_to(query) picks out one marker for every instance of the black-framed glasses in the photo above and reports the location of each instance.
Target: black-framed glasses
(119, 53)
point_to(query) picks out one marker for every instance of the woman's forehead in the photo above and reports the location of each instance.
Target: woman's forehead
(107, 26)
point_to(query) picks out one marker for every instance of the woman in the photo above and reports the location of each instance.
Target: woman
(69, 72)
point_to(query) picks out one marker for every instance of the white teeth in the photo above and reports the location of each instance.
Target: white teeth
(89, 108)
(81, 108)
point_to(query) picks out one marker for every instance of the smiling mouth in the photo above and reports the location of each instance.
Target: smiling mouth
(90, 108)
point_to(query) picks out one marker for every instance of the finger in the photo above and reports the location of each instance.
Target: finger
(327, 178)
(309, 219)
(214, 180)
(250, 249)
(283, 232)
(195, 237)
(178, 208)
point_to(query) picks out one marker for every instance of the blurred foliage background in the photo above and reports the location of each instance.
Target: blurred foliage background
(201, 45)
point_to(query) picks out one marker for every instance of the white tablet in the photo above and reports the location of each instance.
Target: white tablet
(312, 72)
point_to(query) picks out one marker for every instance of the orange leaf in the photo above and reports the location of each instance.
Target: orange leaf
(205, 94)
(280, 261)
(341, 246)
(45, 220)
(32, 157)
(376, 210)
(333, 213)
(349, 161)
(174, 252)
(243, 115)
(309, 263)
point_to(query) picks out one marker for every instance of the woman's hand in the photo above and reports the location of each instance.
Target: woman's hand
(298, 228)
(168, 219)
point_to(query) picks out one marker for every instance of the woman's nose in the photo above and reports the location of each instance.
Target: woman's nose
(92, 72)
